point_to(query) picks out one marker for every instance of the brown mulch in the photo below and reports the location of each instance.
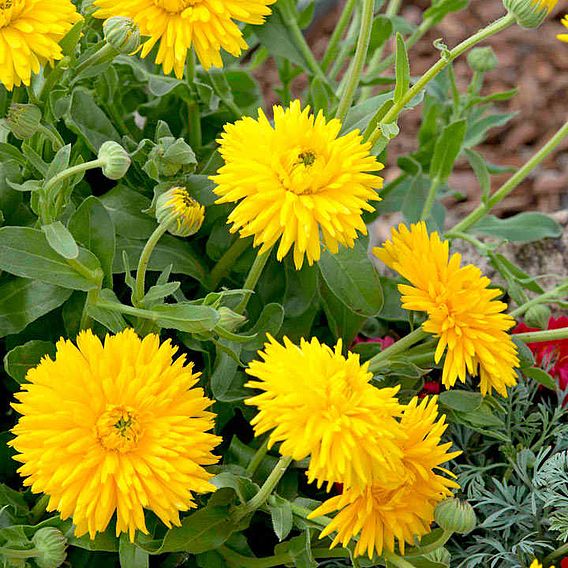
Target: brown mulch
(534, 61)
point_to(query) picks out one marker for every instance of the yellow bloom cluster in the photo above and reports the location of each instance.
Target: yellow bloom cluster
(115, 427)
(320, 404)
(564, 37)
(30, 32)
(177, 25)
(462, 310)
(301, 181)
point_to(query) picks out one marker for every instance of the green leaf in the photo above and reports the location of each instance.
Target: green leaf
(130, 555)
(25, 252)
(461, 400)
(301, 289)
(446, 150)
(88, 121)
(206, 529)
(541, 377)
(111, 319)
(269, 322)
(61, 240)
(92, 226)
(481, 171)
(22, 301)
(19, 360)
(281, 516)
(227, 383)
(441, 8)
(352, 277)
(186, 317)
(521, 228)
(477, 131)
(402, 69)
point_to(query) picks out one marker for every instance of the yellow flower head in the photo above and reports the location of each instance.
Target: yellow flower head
(177, 205)
(114, 427)
(296, 179)
(564, 37)
(462, 310)
(536, 564)
(177, 25)
(402, 508)
(320, 404)
(30, 31)
(530, 13)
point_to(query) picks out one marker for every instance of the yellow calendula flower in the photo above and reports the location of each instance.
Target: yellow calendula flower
(30, 31)
(462, 310)
(115, 427)
(176, 209)
(530, 13)
(564, 37)
(320, 404)
(396, 508)
(295, 180)
(536, 564)
(177, 25)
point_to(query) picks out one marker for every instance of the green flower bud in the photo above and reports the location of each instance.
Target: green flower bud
(123, 34)
(455, 515)
(116, 160)
(538, 316)
(229, 319)
(51, 544)
(182, 214)
(23, 120)
(482, 59)
(170, 157)
(529, 13)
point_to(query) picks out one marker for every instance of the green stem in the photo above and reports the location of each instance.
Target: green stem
(420, 550)
(140, 286)
(194, 117)
(560, 551)
(397, 348)
(252, 280)
(53, 136)
(19, 554)
(345, 48)
(430, 199)
(92, 297)
(358, 62)
(546, 335)
(333, 45)
(106, 53)
(512, 183)
(39, 509)
(543, 298)
(128, 310)
(291, 22)
(226, 262)
(268, 486)
(248, 562)
(94, 276)
(257, 458)
(396, 560)
(492, 29)
(304, 513)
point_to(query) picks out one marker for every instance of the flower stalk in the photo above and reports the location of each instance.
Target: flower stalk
(333, 45)
(545, 335)
(252, 280)
(397, 348)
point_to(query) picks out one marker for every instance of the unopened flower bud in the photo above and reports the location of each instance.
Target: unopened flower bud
(456, 516)
(182, 214)
(123, 34)
(50, 543)
(23, 120)
(116, 160)
(229, 319)
(529, 13)
(538, 316)
(482, 59)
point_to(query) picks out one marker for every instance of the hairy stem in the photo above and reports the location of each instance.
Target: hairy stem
(333, 45)
(397, 348)
(252, 280)
(546, 335)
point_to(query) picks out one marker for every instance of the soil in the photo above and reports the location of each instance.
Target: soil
(534, 61)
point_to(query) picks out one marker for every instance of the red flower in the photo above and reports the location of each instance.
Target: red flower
(384, 342)
(430, 387)
(564, 562)
(552, 356)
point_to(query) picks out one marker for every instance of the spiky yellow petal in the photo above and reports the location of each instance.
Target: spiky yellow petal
(30, 32)
(114, 427)
(178, 25)
(462, 309)
(320, 404)
(396, 508)
(295, 180)
(564, 37)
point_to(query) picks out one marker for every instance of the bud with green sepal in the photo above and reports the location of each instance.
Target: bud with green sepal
(23, 120)
(455, 516)
(179, 212)
(229, 319)
(123, 34)
(115, 160)
(482, 59)
(169, 158)
(538, 316)
(50, 543)
(529, 13)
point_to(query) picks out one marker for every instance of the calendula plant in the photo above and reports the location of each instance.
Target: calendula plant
(209, 361)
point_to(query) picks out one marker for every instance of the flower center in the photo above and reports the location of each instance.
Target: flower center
(118, 428)
(175, 6)
(9, 10)
(302, 172)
